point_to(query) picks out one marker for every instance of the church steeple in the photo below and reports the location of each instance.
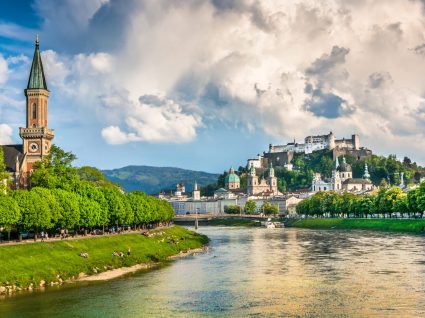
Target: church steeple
(36, 135)
(37, 79)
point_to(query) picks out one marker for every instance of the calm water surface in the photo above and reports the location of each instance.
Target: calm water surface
(258, 273)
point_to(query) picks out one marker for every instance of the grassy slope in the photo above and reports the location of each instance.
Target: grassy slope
(412, 226)
(23, 264)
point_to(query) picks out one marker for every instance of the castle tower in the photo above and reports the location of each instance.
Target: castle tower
(36, 136)
(356, 142)
(196, 195)
(272, 180)
(331, 141)
(252, 181)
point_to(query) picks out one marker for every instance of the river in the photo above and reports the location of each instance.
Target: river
(257, 272)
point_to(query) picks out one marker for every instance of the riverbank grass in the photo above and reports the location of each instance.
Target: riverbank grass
(392, 225)
(22, 265)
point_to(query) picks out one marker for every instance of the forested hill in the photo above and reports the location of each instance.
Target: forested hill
(380, 168)
(154, 179)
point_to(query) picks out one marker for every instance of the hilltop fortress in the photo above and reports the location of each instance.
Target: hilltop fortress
(282, 155)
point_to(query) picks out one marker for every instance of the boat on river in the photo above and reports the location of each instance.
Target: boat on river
(271, 225)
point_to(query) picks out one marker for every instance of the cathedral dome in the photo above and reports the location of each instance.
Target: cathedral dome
(232, 177)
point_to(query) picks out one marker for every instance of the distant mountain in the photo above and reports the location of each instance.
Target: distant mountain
(154, 179)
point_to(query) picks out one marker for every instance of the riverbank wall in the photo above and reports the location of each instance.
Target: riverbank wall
(35, 266)
(391, 225)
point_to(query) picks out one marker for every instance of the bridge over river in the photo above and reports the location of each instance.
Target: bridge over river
(205, 219)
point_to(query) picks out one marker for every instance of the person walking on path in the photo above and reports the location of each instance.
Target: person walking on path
(42, 236)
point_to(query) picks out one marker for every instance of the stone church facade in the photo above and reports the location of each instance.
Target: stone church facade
(36, 135)
(342, 180)
(264, 186)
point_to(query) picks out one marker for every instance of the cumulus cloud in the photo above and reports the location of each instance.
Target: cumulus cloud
(155, 119)
(287, 68)
(5, 134)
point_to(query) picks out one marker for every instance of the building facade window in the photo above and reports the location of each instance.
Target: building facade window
(34, 111)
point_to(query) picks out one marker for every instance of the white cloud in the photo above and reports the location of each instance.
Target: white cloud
(5, 134)
(155, 119)
(288, 68)
(3, 70)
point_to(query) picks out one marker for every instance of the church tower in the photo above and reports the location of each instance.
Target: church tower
(252, 181)
(272, 179)
(36, 136)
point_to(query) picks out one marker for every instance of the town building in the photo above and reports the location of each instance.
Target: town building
(36, 135)
(342, 180)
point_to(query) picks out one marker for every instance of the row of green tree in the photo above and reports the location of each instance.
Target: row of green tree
(384, 202)
(63, 196)
(250, 207)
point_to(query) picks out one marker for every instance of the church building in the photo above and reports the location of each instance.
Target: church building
(264, 186)
(342, 179)
(36, 135)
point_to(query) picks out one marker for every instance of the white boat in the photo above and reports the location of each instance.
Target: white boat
(269, 224)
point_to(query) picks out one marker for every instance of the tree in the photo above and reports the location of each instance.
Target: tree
(90, 191)
(232, 209)
(115, 203)
(48, 197)
(393, 199)
(270, 209)
(10, 212)
(70, 212)
(250, 207)
(139, 204)
(90, 212)
(55, 170)
(3, 174)
(412, 201)
(35, 211)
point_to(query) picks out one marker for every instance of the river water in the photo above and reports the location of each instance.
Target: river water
(256, 272)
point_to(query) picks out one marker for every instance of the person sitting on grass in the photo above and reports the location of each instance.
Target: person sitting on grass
(115, 253)
(83, 254)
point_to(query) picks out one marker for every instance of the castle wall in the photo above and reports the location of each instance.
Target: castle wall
(359, 154)
(277, 159)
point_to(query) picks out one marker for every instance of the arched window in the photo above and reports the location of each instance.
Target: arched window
(34, 111)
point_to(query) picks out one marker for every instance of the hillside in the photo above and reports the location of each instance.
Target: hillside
(154, 179)
(381, 169)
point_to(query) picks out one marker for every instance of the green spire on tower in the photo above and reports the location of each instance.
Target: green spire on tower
(271, 170)
(37, 79)
(336, 163)
(366, 174)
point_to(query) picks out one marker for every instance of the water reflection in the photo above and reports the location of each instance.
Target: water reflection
(258, 272)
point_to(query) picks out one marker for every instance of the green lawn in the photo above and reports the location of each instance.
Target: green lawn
(30, 263)
(395, 225)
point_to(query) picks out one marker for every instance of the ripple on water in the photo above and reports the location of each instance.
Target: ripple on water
(258, 273)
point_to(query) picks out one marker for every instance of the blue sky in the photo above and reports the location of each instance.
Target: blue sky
(208, 84)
